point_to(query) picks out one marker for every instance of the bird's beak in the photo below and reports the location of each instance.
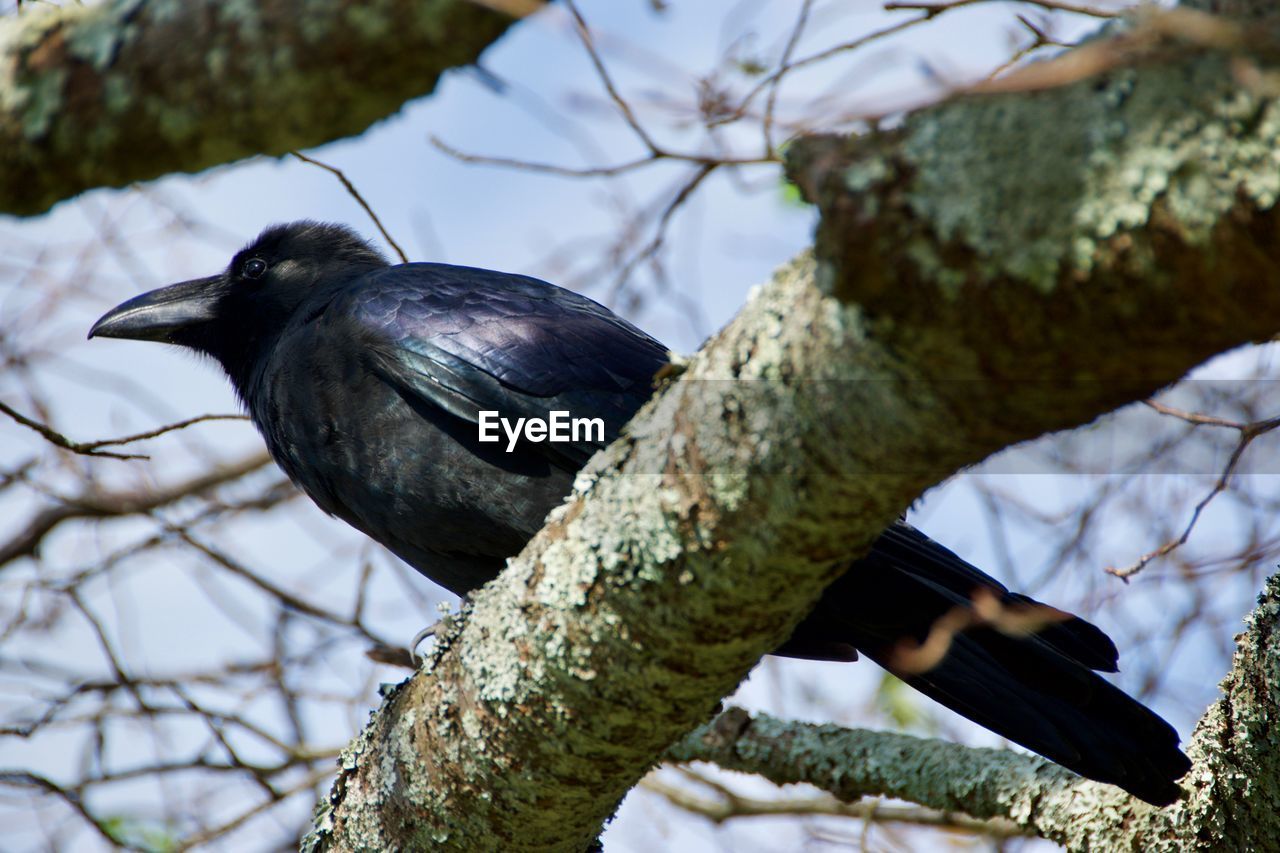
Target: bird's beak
(158, 314)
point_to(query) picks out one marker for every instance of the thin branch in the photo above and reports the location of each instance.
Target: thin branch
(732, 805)
(108, 650)
(584, 33)
(597, 171)
(1194, 418)
(514, 8)
(110, 504)
(935, 9)
(547, 168)
(59, 440)
(910, 656)
(71, 797)
(285, 597)
(844, 47)
(355, 194)
(771, 102)
(205, 836)
(1039, 39)
(650, 249)
(141, 436)
(1162, 31)
(1248, 432)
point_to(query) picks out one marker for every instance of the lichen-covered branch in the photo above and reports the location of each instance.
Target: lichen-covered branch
(997, 268)
(999, 242)
(853, 763)
(128, 90)
(1233, 800)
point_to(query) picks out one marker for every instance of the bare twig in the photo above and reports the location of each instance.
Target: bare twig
(286, 598)
(1155, 33)
(153, 433)
(56, 438)
(547, 168)
(771, 102)
(786, 68)
(654, 245)
(355, 194)
(935, 9)
(730, 805)
(201, 838)
(1039, 39)
(597, 171)
(105, 504)
(70, 796)
(584, 33)
(1248, 432)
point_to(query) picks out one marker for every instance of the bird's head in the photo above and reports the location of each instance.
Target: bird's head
(231, 315)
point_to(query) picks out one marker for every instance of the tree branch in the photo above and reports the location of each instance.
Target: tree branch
(854, 763)
(732, 805)
(129, 90)
(108, 504)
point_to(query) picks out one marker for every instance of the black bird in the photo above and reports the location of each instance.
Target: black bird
(366, 379)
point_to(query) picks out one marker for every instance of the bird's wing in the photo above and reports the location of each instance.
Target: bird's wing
(467, 340)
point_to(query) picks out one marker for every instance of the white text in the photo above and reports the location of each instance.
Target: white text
(558, 428)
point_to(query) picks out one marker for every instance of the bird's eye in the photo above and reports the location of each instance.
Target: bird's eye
(254, 268)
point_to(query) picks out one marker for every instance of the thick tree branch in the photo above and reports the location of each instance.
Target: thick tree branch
(128, 90)
(1041, 253)
(997, 268)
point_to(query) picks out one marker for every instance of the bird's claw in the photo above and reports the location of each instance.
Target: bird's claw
(429, 631)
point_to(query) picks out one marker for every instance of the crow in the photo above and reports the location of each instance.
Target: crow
(366, 380)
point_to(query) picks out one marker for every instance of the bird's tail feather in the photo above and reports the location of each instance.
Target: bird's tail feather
(1037, 688)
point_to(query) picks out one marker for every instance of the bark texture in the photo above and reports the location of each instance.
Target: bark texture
(129, 90)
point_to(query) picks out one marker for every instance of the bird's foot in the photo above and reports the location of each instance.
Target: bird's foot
(432, 629)
(429, 631)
